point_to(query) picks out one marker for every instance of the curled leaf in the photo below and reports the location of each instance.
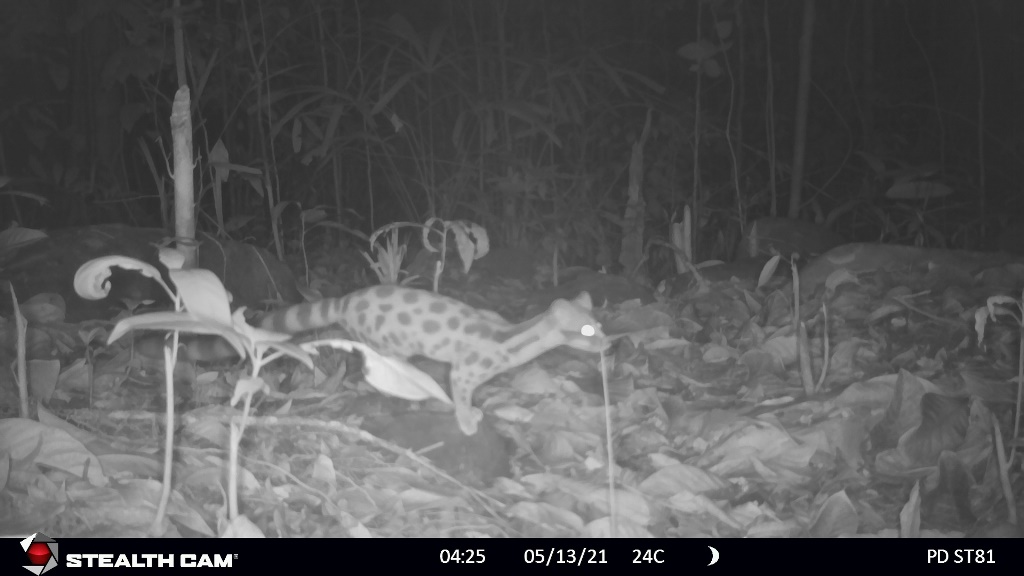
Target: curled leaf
(92, 281)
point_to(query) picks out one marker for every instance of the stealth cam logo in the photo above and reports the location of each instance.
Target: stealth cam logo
(42, 553)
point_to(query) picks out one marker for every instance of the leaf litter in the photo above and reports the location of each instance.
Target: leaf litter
(713, 436)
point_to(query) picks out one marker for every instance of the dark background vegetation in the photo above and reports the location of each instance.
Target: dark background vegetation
(518, 114)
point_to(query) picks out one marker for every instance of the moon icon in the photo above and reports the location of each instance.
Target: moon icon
(714, 555)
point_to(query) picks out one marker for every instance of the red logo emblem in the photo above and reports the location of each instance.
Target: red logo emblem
(41, 551)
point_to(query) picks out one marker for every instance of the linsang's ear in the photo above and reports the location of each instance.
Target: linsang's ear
(583, 300)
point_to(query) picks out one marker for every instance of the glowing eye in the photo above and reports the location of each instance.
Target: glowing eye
(587, 330)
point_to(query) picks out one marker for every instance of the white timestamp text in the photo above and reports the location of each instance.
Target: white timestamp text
(960, 556)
